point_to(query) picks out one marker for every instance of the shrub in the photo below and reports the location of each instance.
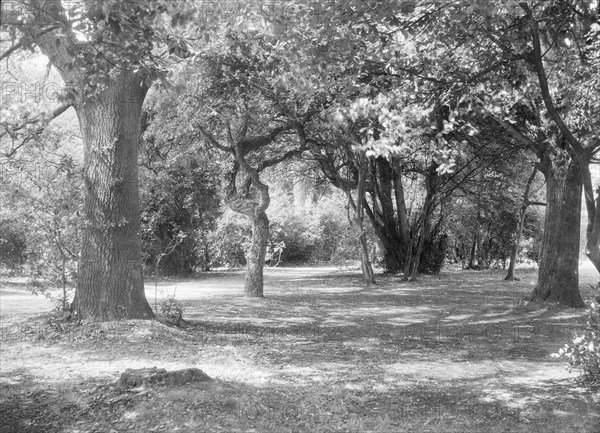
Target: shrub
(583, 352)
(230, 239)
(171, 311)
(13, 244)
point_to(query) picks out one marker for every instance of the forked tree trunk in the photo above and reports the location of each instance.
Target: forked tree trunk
(558, 278)
(255, 257)
(110, 281)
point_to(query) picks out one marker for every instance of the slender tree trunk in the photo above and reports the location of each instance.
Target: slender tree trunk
(358, 220)
(403, 225)
(110, 281)
(417, 257)
(558, 278)
(522, 212)
(471, 264)
(255, 257)
(510, 275)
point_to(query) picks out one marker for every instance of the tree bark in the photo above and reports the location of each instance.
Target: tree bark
(558, 277)
(358, 220)
(510, 275)
(247, 195)
(110, 282)
(110, 278)
(255, 257)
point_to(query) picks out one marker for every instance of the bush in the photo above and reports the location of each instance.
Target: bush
(230, 239)
(13, 244)
(171, 311)
(179, 203)
(318, 232)
(583, 352)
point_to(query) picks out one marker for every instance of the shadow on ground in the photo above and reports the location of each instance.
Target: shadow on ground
(453, 353)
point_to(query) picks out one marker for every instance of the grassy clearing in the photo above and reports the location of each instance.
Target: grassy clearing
(322, 353)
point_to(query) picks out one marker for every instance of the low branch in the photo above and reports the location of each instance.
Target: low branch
(255, 143)
(44, 120)
(22, 42)
(287, 155)
(519, 136)
(211, 140)
(536, 203)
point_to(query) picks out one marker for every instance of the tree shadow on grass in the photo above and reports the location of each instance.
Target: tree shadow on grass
(324, 354)
(224, 405)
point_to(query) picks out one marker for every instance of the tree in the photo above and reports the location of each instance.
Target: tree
(241, 98)
(103, 51)
(491, 58)
(247, 194)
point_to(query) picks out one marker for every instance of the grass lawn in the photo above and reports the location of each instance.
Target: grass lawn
(321, 353)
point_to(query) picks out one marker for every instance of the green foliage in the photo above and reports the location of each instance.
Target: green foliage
(583, 352)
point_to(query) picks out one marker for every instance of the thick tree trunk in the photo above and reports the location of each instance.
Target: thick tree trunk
(110, 282)
(558, 278)
(255, 257)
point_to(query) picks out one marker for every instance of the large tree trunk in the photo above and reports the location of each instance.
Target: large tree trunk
(110, 282)
(255, 257)
(558, 278)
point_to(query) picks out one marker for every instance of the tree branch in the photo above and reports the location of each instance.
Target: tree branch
(211, 140)
(39, 119)
(538, 63)
(287, 155)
